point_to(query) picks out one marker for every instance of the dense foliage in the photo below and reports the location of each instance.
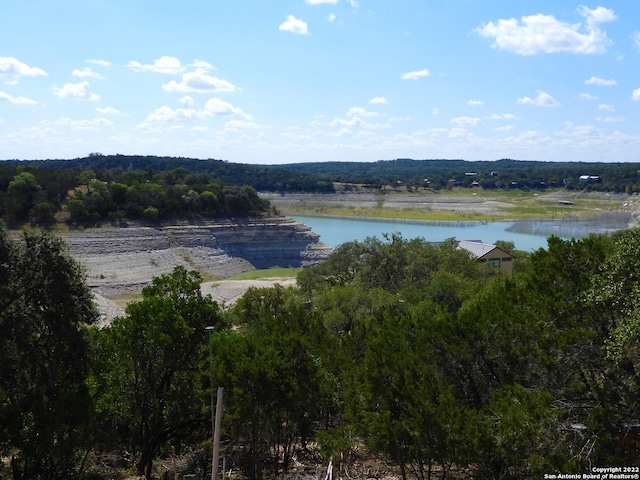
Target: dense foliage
(611, 177)
(260, 177)
(319, 177)
(430, 361)
(45, 405)
(31, 194)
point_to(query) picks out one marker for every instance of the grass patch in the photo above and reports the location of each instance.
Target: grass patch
(457, 205)
(405, 214)
(125, 299)
(267, 273)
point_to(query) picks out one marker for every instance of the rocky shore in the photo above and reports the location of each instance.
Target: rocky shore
(121, 260)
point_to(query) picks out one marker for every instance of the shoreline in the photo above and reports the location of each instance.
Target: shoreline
(620, 224)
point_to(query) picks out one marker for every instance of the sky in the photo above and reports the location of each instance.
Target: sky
(287, 81)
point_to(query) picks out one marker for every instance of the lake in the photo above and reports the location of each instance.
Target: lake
(527, 235)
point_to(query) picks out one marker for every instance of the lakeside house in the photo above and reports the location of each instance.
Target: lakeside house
(493, 256)
(588, 178)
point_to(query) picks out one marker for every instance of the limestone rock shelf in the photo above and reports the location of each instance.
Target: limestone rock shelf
(124, 259)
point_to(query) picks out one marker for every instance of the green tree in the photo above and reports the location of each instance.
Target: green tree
(614, 300)
(45, 405)
(78, 213)
(402, 405)
(22, 194)
(279, 389)
(148, 378)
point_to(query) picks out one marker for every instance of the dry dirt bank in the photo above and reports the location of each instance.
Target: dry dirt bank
(466, 204)
(392, 201)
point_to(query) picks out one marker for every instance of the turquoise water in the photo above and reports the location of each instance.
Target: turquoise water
(528, 236)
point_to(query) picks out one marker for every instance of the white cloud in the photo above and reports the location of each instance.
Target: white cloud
(609, 119)
(294, 25)
(83, 124)
(435, 111)
(415, 74)
(587, 96)
(215, 106)
(604, 106)
(109, 111)
(166, 114)
(332, 17)
(475, 103)
(240, 124)
(635, 95)
(357, 122)
(80, 91)
(164, 64)
(597, 15)
(503, 116)
(86, 72)
(465, 121)
(360, 112)
(542, 100)
(186, 100)
(199, 82)
(202, 66)
(321, 2)
(506, 128)
(636, 40)
(17, 100)
(600, 82)
(176, 118)
(13, 69)
(378, 101)
(102, 63)
(545, 34)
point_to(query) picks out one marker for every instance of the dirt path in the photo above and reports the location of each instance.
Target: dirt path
(225, 292)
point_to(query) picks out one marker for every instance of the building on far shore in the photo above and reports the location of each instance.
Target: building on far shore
(493, 256)
(589, 178)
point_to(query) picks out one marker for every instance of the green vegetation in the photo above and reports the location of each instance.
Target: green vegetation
(488, 175)
(399, 350)
(267, 273)
(117, 188)
(40, 196)
(459, 205)
(45, 404)
(259, 177)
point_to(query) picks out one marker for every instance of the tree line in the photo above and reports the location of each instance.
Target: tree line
(259, 177)
(503, 174)
(40, 196)
(319, 177)
(434, 363)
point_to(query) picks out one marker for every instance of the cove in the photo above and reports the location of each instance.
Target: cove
(526, 235)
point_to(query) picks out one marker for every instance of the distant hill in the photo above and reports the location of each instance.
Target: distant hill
(261, 178)
(505, 173)
(319, 177)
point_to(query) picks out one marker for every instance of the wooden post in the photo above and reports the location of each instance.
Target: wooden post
(216, 436)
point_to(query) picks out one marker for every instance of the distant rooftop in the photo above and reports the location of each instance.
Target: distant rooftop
(476, 247)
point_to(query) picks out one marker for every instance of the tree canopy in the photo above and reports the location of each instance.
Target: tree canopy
(41, 196)
(397, 350)
(45, 405)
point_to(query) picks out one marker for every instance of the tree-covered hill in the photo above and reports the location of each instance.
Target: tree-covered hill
(112, 187)
(36, 195)
(261, 178)
(505, 173)
(318, 177)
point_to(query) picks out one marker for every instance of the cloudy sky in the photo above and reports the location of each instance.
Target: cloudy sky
(281, 81)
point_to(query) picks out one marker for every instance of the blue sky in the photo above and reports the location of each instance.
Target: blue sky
(282, 81)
